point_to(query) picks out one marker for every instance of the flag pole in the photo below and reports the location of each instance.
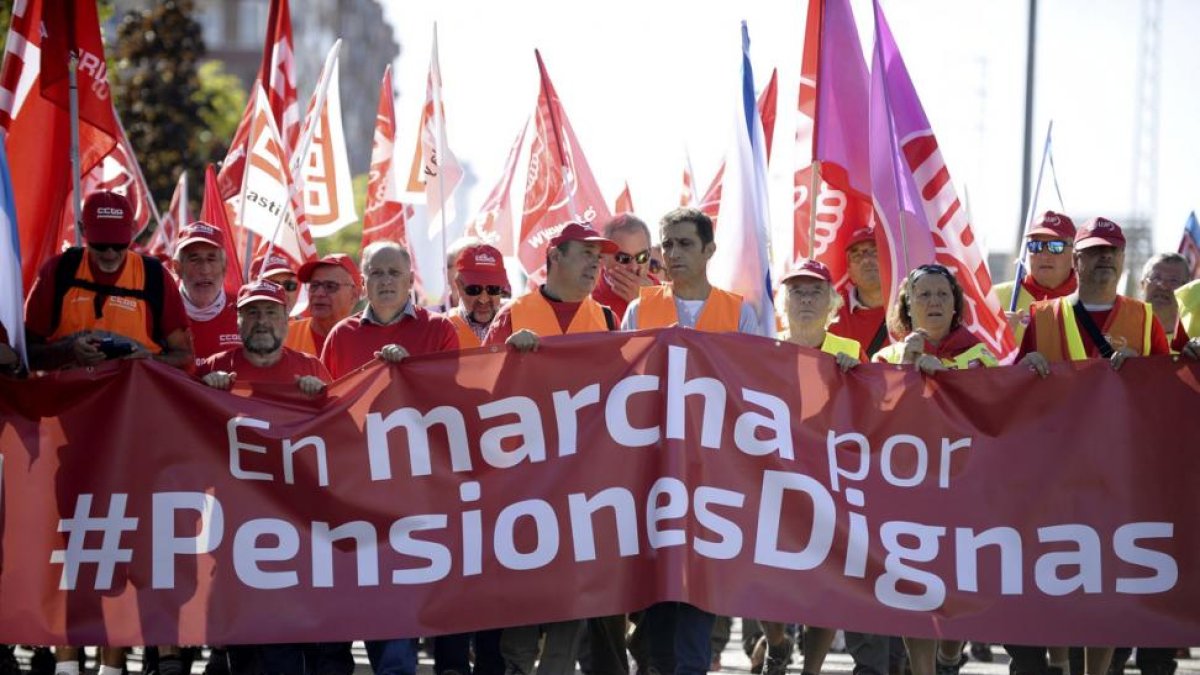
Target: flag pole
(76, 181)
(1037, 190)
(814, 186)
(439, 136)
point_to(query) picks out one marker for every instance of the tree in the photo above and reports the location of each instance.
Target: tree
(178, 115)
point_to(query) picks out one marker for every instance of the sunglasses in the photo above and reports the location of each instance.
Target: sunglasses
(289, 285)
(475, 289)
(624, 258)
(104, 248)
(1054, 246)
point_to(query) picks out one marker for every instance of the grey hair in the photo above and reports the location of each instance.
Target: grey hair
(377, 246)
(1171, 257)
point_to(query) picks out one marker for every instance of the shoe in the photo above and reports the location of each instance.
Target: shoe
(42, 662)
(715, 666)
(982, 652)
(952, 669)
(759, 655)
(8, 662)
(777, 659)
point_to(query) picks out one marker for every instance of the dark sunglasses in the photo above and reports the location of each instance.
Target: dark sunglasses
(103, 248)
(289, 285)
(475, 289)
(624, 258)
(1054, 246)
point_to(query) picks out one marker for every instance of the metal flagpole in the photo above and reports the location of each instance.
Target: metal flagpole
(440, 150)
(76, 182)
(814, 187)
(1037, 189)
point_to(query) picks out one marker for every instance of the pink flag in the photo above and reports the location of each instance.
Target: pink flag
(833, 132)
(920, 215)
(385, 216)
(560, 186)
(767, 103)
(624, 203)
(494, 222)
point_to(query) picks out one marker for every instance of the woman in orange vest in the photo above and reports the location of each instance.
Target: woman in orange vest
(928, 312)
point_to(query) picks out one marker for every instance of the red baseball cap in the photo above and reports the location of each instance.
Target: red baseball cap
(1054, 225)
(199, 232)
(334, 260)
(483, 265)
(577, 231)
(261, 290)
(274, 264)
(1099, 232)
(859, 236)
(808, 268)
(107, 218)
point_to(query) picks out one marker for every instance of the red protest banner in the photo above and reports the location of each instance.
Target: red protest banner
(596, 476)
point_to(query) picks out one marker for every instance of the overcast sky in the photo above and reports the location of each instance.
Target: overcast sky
(643, 80)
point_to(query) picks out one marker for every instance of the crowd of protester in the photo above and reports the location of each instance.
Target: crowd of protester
(105, 301)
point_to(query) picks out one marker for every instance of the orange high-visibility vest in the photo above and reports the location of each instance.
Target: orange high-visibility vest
(300, 337)
(720, 313)
(1057, 330)
(122, 315)
(532, 311)
(466, 336)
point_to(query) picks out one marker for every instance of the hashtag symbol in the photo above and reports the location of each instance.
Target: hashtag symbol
(104, 558)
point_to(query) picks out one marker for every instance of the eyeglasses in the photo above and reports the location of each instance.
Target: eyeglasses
(1165, 282)
(289, 285)
(327, 286)
(475, 289)
(1054, 246)
(104, 248)
(624, 258)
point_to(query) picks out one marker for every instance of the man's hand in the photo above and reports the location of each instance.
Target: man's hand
(523, 341)
(86, 349)
(1192, 349)
(391, 354)
(1037, 363)
(1119, 356)
(1015, 319)
(310, 384)
(846, 362)
(929, 364)
(626, 284)
(139, 352)
(219, 379)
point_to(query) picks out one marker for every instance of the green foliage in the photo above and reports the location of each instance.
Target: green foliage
(348, 239)
(176, 114)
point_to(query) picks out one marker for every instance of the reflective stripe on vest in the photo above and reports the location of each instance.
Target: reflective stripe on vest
(466, 337)
(533, 312)
(120, 315)
(719, 314)
(836, 344)
(894, 353)
(1059, 339)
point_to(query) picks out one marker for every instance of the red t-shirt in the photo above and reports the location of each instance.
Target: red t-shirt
(1180, 339)
(291, 365)
(861, 323)
(1158, 337)
(354, 340)
(502, 328)
(216, 335)
(605, 295)
(39, 306)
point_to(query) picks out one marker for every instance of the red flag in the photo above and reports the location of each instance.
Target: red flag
(688, 196)
(833, 132)
(117, 171)
(494, 223)
(177, 215)
(767, 101)
(560, 186)
(33, 114)
(624, 203)
(212, 211)
(385, 216)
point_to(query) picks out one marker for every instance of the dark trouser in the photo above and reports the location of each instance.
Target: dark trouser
(606, 646)
(488, 659)
(452, 653)
(393, 657)
(329, 658)
(870, 652)
(1027, 660)
(678, 635)
(274, 659)
(1150, 660)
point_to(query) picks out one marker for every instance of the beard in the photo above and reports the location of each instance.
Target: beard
(262, 343)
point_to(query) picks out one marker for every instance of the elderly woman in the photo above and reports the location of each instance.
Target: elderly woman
(928, 313)
(808, 302)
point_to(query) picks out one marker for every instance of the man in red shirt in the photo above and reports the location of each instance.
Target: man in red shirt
(481, 285)
(628, 268)
(863, 314)
(200, 262)
(104, 301)
(334, 287)
(564, 303)
(392, 327)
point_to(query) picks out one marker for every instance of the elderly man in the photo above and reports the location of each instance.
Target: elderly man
(564, 303)
(105, 302)
(1050, 273)
(200, 263)
(627, 270)
(678, 633)
(481, 285)
(334, 287)
(1162, 275)
(278, 268)
(863, 314)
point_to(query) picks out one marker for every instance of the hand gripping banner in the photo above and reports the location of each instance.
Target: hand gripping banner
(597, 476)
